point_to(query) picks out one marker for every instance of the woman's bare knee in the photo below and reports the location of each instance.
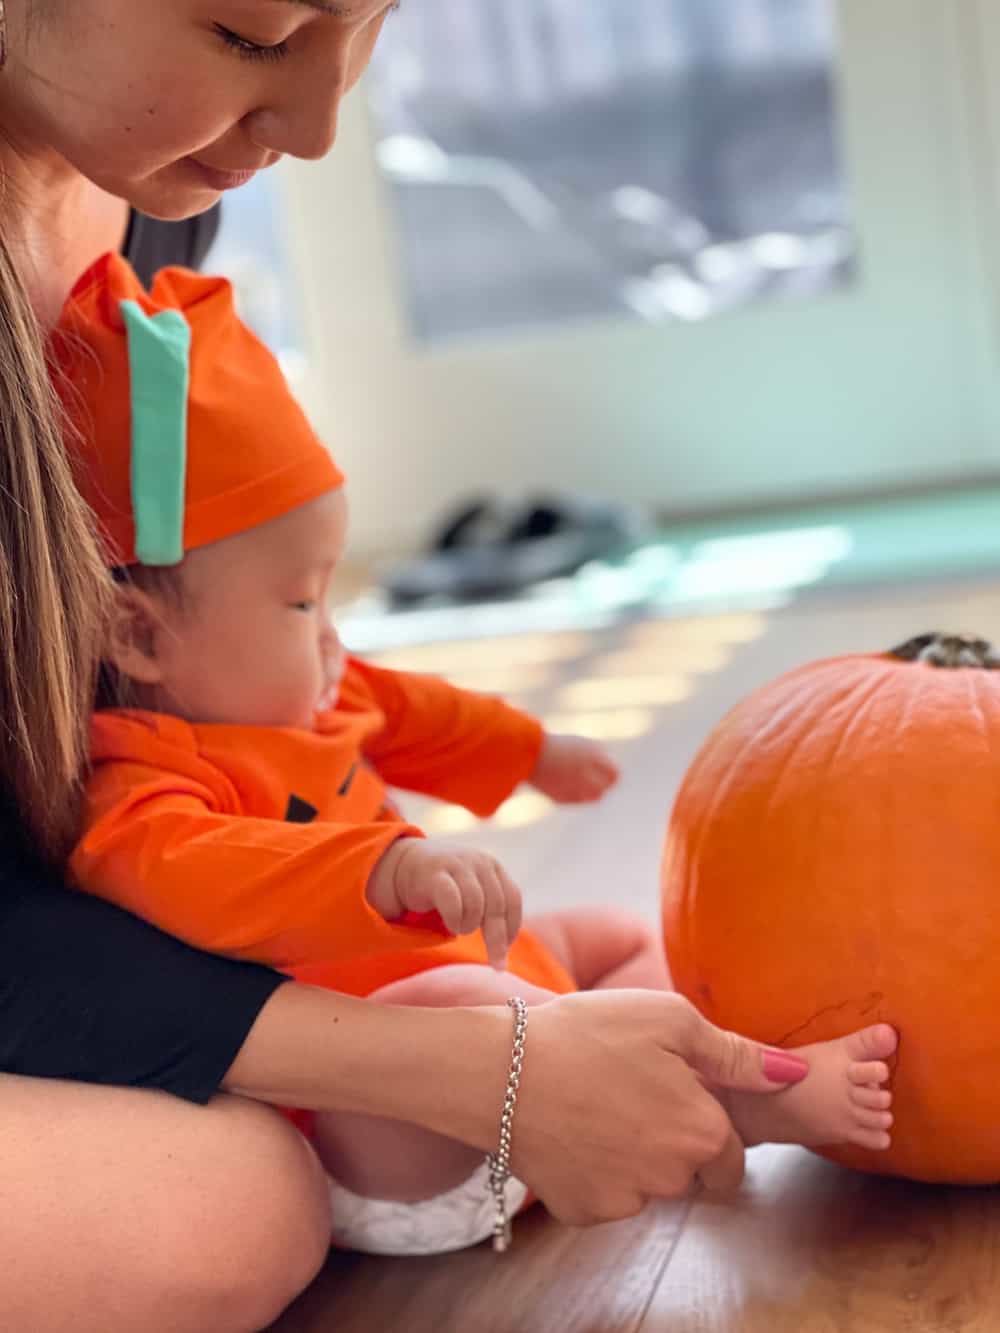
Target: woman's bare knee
(129, 1209)
(268, 1229)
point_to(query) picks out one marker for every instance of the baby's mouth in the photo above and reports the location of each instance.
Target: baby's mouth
(329, 697)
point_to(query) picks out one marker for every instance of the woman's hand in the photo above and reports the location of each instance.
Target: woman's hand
(612, 1110)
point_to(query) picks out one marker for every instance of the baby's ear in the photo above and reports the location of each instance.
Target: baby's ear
(137, 622)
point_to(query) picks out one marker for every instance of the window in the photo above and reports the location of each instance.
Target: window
(551, 160)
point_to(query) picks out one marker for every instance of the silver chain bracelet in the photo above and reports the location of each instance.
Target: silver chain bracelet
(499, 1162)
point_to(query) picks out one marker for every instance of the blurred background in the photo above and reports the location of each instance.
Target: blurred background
(712, 285)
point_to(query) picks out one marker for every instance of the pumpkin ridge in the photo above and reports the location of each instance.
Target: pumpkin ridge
(976, 709)
(813, 702)
(987, 731)
(802, 703)
(736, 771)
(861, 704)
(861, 725)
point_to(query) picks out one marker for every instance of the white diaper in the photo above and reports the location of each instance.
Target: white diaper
(453, 1221)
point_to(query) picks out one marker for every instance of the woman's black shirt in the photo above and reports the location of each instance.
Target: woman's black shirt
(88, 992)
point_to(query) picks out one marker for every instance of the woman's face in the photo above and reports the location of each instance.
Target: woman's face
(166, 103)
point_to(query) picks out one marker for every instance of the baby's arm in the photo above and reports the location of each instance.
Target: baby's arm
(468, 748)
(278, 893)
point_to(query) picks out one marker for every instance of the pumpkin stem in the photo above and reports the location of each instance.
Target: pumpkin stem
(948, 650)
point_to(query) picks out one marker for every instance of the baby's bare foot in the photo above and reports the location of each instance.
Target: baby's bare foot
(841, 1099)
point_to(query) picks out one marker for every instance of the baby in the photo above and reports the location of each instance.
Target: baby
(238, 793)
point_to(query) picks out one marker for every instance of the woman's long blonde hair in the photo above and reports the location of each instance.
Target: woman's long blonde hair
(53, 588)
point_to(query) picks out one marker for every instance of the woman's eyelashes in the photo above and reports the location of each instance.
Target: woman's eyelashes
(248, 50)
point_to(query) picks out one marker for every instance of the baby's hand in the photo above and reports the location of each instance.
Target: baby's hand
(469, 891)
(573, 770)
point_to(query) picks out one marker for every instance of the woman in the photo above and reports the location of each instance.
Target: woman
(125, 1207)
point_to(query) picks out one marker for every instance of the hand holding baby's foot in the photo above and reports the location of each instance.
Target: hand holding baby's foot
(840, 1101)
(573, 770)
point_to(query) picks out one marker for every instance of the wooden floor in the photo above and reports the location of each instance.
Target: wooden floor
(805, 1247)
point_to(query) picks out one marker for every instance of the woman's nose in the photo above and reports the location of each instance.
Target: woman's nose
(303, 121)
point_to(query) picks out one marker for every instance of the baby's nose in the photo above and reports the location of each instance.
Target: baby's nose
(332, 650)
(329, 637)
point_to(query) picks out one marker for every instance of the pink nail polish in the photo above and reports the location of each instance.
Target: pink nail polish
(780, 1067)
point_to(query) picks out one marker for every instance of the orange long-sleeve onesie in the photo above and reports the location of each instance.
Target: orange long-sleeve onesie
(258, 842)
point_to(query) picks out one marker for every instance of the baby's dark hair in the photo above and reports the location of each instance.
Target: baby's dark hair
(164, 580)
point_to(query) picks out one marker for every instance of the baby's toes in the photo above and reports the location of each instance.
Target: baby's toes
(872, 1099)
(868, 1071)
(864, 1119)
(875, 1140)
(875, 1043)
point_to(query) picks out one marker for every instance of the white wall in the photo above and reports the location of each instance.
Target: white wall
(890, 383)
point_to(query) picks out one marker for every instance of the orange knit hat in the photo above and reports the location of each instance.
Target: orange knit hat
(188, 431)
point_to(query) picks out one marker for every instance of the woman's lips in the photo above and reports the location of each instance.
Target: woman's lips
(218, 179)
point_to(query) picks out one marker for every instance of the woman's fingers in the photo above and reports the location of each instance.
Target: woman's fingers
(724, 1173)
(724, 1058)
(607, 1117)
(615, 1206)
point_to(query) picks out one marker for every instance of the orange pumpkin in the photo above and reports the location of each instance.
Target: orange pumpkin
(833, 860)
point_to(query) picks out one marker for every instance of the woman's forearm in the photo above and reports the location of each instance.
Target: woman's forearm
(612, 1107)
(442, 1069)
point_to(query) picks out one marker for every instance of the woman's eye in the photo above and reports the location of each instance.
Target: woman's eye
(303, 606)
(250, 50)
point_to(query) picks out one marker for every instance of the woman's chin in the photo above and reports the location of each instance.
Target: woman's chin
(171, 194)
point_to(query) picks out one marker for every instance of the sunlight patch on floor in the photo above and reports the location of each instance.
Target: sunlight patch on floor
(618, 724)
(619, 691)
